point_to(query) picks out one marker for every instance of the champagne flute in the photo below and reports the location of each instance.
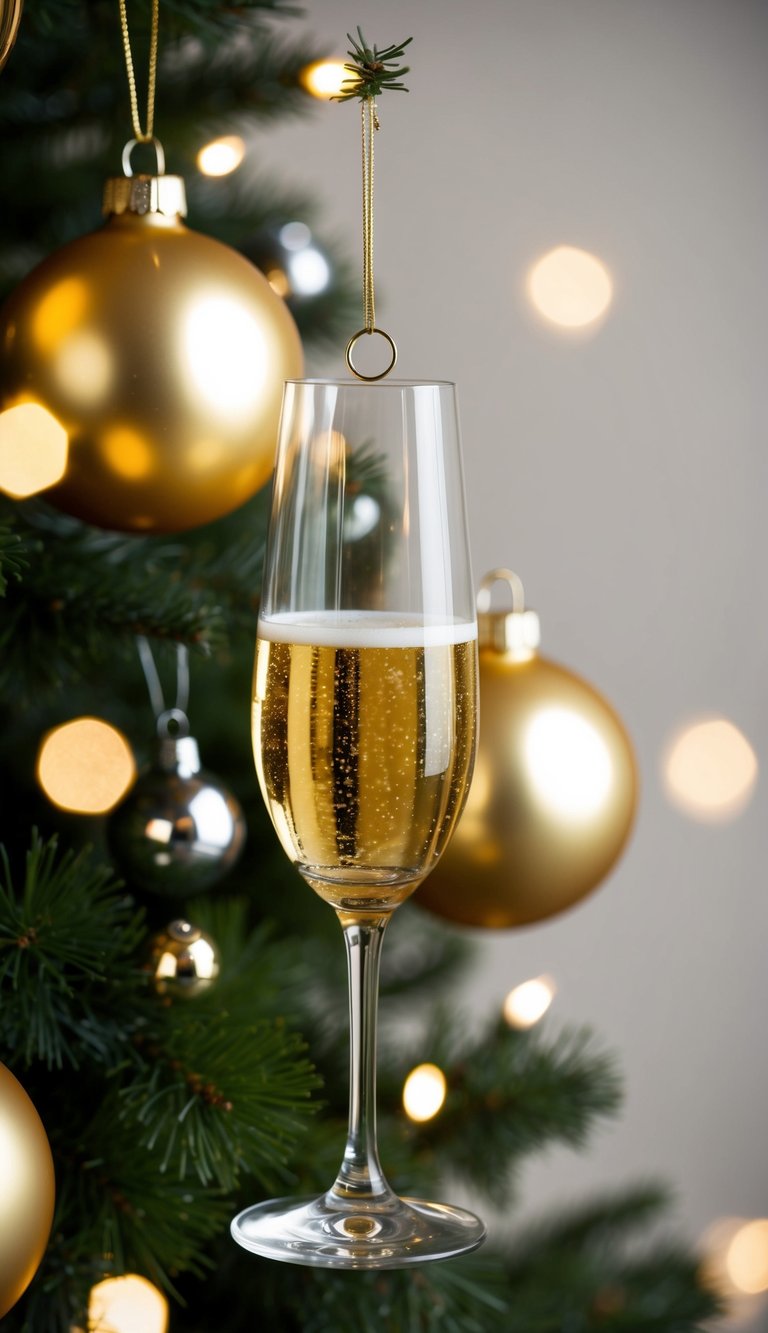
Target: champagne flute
(364, 721)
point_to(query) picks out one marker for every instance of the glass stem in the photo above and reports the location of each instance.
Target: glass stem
(360, 1176)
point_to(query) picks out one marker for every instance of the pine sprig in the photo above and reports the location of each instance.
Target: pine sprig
(14, 555)
(512, 1093)
(221, 1099)
(373, 71)
(65, 933)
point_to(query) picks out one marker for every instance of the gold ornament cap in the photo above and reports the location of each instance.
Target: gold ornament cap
(142, 193)
(517, 631)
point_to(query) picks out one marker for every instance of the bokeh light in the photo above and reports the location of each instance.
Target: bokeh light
(424, 1092)
(570, 287)
(221, 156)
(746, 1258)
(528, 1002)
(127, 1304)
(710, 770)
(325, 79)
(33, 450)
(85, 766)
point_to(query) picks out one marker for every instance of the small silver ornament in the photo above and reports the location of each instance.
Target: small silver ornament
(179, 830)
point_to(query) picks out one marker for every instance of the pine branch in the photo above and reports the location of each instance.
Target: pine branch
(14, 555)
(585, 1269)
(66, 935)
(373, 71)
(217, 1100)
(509, 1094)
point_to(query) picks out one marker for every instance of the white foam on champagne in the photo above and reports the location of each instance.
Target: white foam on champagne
(364, 629)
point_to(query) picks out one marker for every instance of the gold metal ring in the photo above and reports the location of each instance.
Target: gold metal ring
(353, 343)
(159, 154)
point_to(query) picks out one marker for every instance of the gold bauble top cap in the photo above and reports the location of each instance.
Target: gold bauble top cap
(517, 631)
(142, 193)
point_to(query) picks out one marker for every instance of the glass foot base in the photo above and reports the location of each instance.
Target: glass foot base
(331, 1233)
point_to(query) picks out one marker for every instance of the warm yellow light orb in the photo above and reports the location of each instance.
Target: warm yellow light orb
(746, 1260)
(424, 1092)
(127, 1304)
(325, 79)
(33, 450)
(710, 770)
(570, 287)
(221, 156)
(529, 1002)
(86, 766)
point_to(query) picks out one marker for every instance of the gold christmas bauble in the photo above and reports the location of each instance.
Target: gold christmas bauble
(10, 18)
(183, 961)
(27, 1190)
(554, 791)
(162, 354)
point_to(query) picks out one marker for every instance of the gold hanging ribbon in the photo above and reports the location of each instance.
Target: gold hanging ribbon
(370, 124)
(141, 136)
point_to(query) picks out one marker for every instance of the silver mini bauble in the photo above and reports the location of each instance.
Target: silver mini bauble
(179, 830)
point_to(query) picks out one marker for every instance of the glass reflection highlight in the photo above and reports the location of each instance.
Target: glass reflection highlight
(34, 449)
(570, 287)
(710, 770)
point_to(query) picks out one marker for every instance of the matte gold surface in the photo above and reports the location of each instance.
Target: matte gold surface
(162, 353)
(27, 1189)
(551, 804)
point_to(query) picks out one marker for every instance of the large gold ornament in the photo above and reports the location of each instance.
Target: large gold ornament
(10, 18)
(162, 353)
(554, 793)
(27, 1189)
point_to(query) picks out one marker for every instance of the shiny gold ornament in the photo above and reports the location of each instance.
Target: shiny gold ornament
(10, 18)
(162, 353)
(554, 792)
(27, 1189)
(184, 961)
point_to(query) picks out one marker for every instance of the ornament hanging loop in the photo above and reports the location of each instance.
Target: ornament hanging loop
(172, 725)
(144, 139)
(351, 345)
(516, 632)
(501, 575)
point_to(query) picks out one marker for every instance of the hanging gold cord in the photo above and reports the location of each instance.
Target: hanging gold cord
(142, 136)
(370, 125)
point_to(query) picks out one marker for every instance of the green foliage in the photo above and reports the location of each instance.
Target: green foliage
(216, 1099)
(372, 71)
(591, 1270)
(65, 934)
(12, 554)
(511, 1093)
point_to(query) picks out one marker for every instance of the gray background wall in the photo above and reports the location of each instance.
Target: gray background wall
(621, 472)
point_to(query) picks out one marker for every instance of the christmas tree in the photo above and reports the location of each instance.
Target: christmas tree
(171, 1103)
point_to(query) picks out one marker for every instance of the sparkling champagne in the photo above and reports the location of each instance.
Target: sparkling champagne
(364, 738)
